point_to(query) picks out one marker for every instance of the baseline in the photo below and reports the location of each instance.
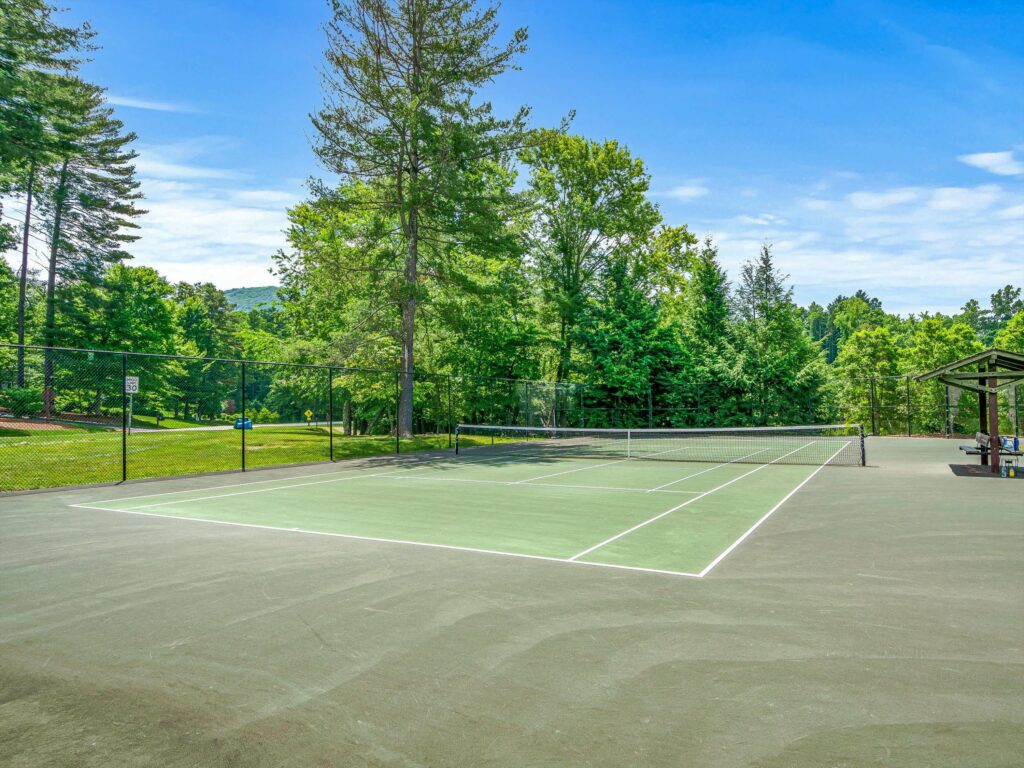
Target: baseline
(405, 542)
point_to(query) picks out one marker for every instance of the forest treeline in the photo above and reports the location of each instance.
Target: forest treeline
(448, 239)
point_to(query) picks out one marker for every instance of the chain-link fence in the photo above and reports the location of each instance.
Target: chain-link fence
(71, 416)
(899, 405)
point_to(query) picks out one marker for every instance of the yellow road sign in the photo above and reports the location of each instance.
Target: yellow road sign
(309, 415)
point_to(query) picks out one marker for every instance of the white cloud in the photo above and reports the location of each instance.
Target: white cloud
(875, 200)
(1013, 212)
(762, 220)
(157, 106)
(964, 198)
(999, 163)
(916, 248)
(152, 167)
(202, 223)
(687, 192)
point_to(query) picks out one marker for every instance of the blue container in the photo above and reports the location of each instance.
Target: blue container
(241, 423)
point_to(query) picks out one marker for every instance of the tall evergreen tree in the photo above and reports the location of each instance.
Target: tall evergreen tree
(780, 367)
(91, 194)
(707, 334)
(401, 115)
(37, 56)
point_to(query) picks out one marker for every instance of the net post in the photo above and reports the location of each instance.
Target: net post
(243, 416)
(863, 448)
(124, 416)
(330, 413)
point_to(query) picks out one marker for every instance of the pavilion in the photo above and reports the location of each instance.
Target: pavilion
(986, 373)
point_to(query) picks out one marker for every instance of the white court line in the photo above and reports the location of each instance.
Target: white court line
(695, 474)
(568, 471)
(605, 464)
(230, 485)
(684, 504)
(417, 464)
(392, 541)
(258, 490)
(771, 512)
(521, 482)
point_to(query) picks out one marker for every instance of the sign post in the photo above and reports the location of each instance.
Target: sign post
(131, 387)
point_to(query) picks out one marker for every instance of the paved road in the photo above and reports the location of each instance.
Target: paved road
(220, 427)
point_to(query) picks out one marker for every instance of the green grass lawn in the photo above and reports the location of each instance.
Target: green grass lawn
(150, 422)
(42, 459)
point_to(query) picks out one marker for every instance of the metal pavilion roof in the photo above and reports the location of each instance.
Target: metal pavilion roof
(1004, 367)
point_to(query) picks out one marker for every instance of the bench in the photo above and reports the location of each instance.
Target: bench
(982, 447)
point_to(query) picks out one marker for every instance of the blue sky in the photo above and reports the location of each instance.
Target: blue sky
(876, 145)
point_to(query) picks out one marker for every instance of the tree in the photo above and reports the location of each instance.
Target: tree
(707, 335)
(631, 356)
(1011, 335)
(869, 366)
(591, 207)
(8, 302)
(778, 365)
(401, 116)
(936, 342)
(32, 45)
(340, 279)
(1003, 304)
(37, 56)
(90, 195)
(207, 327)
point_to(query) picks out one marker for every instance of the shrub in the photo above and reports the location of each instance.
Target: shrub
(21, 402)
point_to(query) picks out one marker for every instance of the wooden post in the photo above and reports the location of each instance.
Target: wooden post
(993, 419)
(983, 425)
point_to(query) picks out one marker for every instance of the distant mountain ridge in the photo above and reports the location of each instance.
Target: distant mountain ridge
(250, 298)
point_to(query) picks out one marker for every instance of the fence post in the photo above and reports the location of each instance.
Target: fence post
(243, 417)
(910, 423)
(529, 406)
(330, 413)
(583, 412)
(650, 407)
(398, 412)
(947, 427)
(873, 403)
(124, 417)
(449, 378)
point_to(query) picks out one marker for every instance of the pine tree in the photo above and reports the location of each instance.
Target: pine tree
(779, 365)
(37, 55)
(401, 116)
(89, 196)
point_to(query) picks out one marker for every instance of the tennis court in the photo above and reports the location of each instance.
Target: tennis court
(873, 619)
(672, 501)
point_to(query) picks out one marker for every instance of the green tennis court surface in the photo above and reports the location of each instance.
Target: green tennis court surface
(873, 619)
(674, 516)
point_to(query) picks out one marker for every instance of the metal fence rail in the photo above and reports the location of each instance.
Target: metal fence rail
(74, 416)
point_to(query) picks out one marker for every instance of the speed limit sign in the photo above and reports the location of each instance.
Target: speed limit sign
(131, 385)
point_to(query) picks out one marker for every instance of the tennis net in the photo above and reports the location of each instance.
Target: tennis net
(833, 444)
